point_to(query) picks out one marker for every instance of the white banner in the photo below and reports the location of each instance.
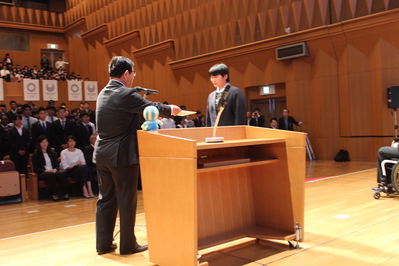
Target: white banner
(91, 90)
(31, 90)
(75, 90)
(50, 90)
(1, 90)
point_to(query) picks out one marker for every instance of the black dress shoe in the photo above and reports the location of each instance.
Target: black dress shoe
(137, 250)
(105, 251)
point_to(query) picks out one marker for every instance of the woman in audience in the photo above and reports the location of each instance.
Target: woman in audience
(74, 164)
(45, 165)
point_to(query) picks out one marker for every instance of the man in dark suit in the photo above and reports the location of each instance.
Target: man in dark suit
(257, 119)
(62, 129)
(286, 122)
(42, 127)
(119, 108)
(273, 123)
(235, 111)
(13, 110)
(83, 130)
(197, 120)
(19, 139)
(89, 112)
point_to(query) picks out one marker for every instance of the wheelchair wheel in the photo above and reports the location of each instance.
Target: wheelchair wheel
(395, 177)
(377, 195)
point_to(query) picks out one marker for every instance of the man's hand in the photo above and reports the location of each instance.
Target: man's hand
(175, 109)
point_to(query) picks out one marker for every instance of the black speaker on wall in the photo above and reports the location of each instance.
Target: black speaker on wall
(393, 97)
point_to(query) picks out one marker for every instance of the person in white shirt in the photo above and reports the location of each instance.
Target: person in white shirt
(168, 123)
(74, 164)
(60, 63)
(4, 72)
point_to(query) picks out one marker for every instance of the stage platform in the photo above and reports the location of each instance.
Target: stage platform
(344, 224)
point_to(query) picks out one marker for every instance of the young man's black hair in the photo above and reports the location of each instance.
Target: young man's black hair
(219, 69)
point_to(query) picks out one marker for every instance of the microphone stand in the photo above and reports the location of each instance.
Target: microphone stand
(220, 107)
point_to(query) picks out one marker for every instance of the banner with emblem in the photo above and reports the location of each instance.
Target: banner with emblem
(50, 90)
(91, 90)
(1, 90)
(31, 90)
(75, 90)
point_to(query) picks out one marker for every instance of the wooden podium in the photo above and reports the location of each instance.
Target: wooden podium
(198, 194)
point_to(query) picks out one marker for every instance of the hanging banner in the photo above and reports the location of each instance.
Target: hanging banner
(75, 90)
(31, 90)
(1, 90)
(50, 90)
(91, 90)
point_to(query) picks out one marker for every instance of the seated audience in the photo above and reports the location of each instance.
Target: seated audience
(83, 130)
(88, 153)
(180, 122)
(43, 127)
(45, 165)
(273, 123)
(74, 165)
(62, 128)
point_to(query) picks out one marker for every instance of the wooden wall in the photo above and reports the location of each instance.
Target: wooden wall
(339, 91)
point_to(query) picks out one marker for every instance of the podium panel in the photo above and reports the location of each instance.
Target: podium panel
(198, 195)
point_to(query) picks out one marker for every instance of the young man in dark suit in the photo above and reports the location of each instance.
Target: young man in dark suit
(42, 127)
(19, 139)
(286, 122)
(119, 108)
(83, 130)
(62, 129)
(235, 110)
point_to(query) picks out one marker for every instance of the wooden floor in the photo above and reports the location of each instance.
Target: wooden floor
(344, 225)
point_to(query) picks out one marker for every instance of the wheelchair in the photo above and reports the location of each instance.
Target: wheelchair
(390, 186)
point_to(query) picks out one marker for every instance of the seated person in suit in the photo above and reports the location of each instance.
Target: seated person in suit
(74, 165)
(19, 139)
(197, 120)
(45, 165)
(273, 123)
(4, 144)
(286, 121)
(88, 153)
(257, 120)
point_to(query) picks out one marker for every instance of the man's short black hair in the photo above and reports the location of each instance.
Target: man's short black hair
(11, 102)
(25, 106)
(118, 65)
(16, 116)
(50, 107)
(219, 69)
(83, 114)
(257, 109)
(2, 105)
(40, 109)
(61, 108)
(273, 118)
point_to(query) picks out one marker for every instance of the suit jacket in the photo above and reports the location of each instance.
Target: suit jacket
(117, 119)
(39, 162)
(259, 123)
(234, 112)
(61, 134)
(37, 131)
(291, 122)
(82, 136)
(17, 141)
(88, 153)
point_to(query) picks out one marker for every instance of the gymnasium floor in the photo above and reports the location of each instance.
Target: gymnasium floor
(344, 225)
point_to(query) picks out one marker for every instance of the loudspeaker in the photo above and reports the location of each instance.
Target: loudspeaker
(393, 97)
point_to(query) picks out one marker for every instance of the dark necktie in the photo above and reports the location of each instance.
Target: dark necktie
(52, 119)
(44, 127)
(63, 124)
(29, 127)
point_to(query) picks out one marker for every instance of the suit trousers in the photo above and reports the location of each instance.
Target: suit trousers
(118, 190)
(51, 178)
(385, 153)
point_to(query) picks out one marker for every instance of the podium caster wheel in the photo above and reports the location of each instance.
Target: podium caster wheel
(377, 195)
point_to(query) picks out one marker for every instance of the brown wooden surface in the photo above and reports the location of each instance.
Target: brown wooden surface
(221, 203)
(59, 235)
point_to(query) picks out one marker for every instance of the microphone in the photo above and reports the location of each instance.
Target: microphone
(146, 90)
(222, 102)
